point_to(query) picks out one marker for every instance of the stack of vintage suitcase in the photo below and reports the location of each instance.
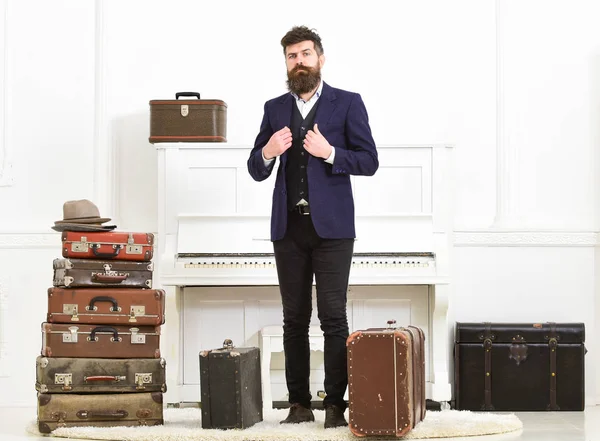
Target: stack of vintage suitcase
(100, 362)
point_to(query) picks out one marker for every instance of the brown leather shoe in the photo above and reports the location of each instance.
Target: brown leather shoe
(334, 417)
(298, 414)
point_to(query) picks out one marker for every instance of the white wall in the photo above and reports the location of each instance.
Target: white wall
(514, 85)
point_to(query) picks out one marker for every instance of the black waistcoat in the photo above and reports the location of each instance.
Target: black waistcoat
(295, 170)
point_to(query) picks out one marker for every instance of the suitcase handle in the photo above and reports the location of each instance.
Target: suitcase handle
(84, 414)
(104, 378)
(178, 94)
(107, 278)
(95, 247)
(114, 338)
(92, 307)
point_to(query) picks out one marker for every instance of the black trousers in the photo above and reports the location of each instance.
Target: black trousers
(299, 255)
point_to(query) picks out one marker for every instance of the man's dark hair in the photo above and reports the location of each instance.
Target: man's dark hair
(301, 33)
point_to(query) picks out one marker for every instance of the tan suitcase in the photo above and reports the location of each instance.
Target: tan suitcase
(100, 410)
(92, 341)
(195, 120)
(100, 375)
(386, 380)
(109, 306)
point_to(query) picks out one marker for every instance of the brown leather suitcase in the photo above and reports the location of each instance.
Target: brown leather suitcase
(110, 306)
(386, 380)
(108, 245)
(74, 273)
(100, 410)
(230, 384)
(92, 341)
(519, 366)
(198, 120)
(100, 375)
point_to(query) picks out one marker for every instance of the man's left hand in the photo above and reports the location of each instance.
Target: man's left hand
(316, 144)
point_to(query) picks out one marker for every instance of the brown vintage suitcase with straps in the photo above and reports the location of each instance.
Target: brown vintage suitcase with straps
(386, 380)
(100, 341)
(108, 306)
(195, 120)
(108, 245)
(99, 410)
(100, 375)
(73, 273)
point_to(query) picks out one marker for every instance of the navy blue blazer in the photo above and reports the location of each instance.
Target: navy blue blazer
(343, 121)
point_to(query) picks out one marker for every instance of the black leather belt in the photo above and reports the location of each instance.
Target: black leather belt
(302, 209)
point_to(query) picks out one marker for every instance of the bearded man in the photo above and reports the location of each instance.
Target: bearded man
(321, 136)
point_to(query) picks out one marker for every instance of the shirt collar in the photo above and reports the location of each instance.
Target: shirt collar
(314, 97)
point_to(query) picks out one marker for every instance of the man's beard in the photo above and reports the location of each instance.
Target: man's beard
(303, 79)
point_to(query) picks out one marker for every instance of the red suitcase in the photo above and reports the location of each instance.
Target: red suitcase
(108, 245)
(109, 306)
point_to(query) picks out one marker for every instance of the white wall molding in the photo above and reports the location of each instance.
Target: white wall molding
(4, 354)
(491, 238)
(6, 175)
(30, 240)
(507, 161)
(104, 150)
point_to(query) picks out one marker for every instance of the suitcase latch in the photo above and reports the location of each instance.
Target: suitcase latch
(141, 379)
(131, 248)
(185, 110)
(71, 309)
(518, 349)
(136, 311)
(80, 247)
(71, 336)
(137, 339)
(65, 379)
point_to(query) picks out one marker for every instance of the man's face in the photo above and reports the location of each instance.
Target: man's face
(303, 67)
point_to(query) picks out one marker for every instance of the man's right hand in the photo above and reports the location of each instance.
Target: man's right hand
(279, 143)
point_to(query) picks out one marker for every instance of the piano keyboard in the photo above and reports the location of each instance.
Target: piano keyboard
(267, 261)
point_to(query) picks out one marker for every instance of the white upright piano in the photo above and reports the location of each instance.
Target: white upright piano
(215, 260)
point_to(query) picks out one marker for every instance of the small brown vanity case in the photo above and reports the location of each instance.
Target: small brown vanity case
(100, 375)
(230, 387)
(109, 306)
(519, 366)
(194, 120)
(100, 410)
(386, 380)
(74, 273)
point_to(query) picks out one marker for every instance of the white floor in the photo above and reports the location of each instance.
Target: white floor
(538, 426)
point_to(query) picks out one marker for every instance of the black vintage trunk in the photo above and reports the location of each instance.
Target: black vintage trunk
(230, 382)
(519, 366)
(74, 273)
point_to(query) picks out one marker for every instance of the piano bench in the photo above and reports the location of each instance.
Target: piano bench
(271, 340)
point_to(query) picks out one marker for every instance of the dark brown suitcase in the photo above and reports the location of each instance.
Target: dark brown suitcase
(92, 341)
(109, 306)
(81, 273)
(519, 366)
(197, 120)
(386, 380)
(108, 245)
(99, 410)
(99, 375)
(230, 385)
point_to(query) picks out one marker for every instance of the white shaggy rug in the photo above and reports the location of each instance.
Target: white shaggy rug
(184, 425)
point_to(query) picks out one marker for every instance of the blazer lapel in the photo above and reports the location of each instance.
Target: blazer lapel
(284, 111)
(326, 106)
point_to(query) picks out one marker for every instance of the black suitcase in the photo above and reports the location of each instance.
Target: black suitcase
(519, 366)
(230, 386)
(81, 273)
